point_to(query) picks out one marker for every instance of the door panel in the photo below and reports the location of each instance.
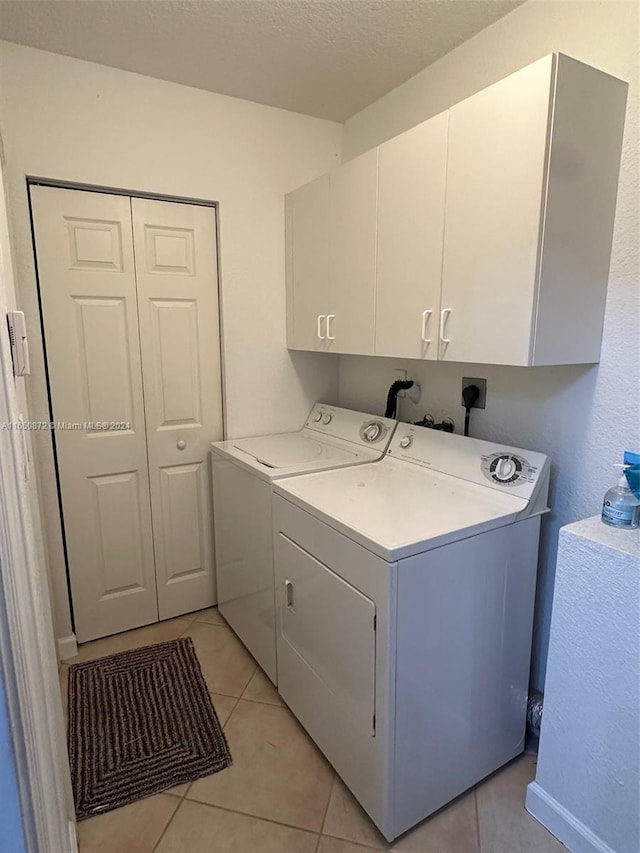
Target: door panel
(176, 268)
(116, 499)
(88, 294)
(412, 174)
(177, 373)
(307, 241)
(105, 360)
(329, 625)
(493, 216)
(183, 489)
(352, 254)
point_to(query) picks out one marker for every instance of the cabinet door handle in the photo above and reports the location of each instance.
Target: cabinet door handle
(289, 592)
(321, 317)
(426, 316)
(444, 316)
(330, 317)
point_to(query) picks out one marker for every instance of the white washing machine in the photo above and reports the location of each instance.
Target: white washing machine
(405, 594)
(242, 473)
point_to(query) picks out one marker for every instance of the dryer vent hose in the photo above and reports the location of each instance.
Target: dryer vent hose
(392, 396)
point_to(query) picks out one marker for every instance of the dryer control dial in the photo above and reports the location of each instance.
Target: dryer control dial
(327, 418)
(317, 417)
(372, 431)
(507, 469)
(407, 441)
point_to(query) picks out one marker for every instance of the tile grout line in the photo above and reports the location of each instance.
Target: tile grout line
(231, 713)
(360, 845)
(255, 817)
(169, 822)
(326, 810)
(244, 689)
(475, 801)
(257, 701)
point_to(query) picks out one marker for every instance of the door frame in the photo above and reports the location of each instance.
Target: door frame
(27, 653)
(68, 644)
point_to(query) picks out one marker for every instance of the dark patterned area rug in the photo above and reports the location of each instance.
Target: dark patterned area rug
(140, 722)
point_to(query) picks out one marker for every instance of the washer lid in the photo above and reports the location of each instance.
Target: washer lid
(292, 449)
(397, 510)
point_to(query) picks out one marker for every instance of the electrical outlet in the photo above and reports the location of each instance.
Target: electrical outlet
(400, 373)
(481, 402)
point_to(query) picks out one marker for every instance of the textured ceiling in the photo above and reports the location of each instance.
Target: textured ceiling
(327, 58)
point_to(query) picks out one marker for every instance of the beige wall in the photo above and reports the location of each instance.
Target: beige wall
(70, 120)
(583, 417)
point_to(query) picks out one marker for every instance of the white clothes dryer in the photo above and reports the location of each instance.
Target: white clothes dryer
(242, 473)
(405, 594)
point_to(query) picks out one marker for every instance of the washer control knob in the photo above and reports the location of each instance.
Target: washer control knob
(317, 417)
(181, 444)
(407, 441)
(327, 418)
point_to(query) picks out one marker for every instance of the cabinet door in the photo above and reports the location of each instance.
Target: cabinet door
(495, 187)
(307, 241)
(411, 188)
(352, 255)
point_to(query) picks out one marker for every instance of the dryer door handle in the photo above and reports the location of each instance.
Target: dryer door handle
(290, 594)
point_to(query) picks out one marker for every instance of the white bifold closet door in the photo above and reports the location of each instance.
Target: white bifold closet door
(130, 308)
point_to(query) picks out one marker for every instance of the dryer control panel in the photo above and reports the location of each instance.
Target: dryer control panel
(357, 427)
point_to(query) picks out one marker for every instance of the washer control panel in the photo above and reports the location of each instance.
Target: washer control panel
(496, 466)
(507, 469)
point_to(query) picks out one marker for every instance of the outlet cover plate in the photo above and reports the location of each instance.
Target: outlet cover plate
(400, 373)
(481, 402)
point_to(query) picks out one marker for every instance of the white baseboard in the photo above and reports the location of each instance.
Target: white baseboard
(560, 822)
(67, 647)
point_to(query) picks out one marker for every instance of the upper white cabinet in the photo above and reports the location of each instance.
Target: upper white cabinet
(331, 259)
(352, 254)
(482, 235)
(411, 196)
(532, 174)
(307, 248)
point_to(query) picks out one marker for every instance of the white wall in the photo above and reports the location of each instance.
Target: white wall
(70, 120)
(583, 417)
(587, 786)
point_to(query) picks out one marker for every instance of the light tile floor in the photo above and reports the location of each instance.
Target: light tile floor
(281, 796)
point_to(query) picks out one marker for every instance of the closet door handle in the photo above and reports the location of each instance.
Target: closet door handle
(444, 316)
(330, 317)
(181, 444)
(289, 592)
(426, 316)
(321, 317)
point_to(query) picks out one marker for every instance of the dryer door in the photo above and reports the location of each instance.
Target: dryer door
(326, 638)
